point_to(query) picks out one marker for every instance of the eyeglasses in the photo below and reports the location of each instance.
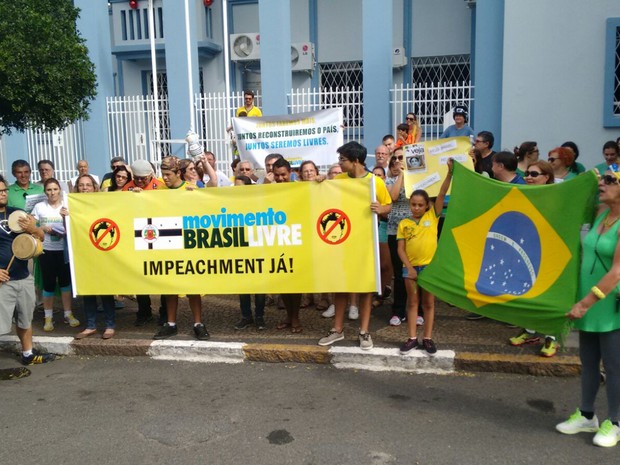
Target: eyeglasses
(479, 141)
(398, 157)
(141, 178)
(4, 191)
(121, 176)
(343, 159)
(552, 159)
(409, 118)
(245, 169)
(533, 174)
(608, 179)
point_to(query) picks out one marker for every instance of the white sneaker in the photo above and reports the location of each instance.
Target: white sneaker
(607, 435)
(354, 312)
(332, 336)
(330, 312)
(395, 321)
(419, 321)
(577, 423)
(365, 341)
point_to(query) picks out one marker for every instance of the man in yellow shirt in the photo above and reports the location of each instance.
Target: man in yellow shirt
(248, 106)
(352, 156)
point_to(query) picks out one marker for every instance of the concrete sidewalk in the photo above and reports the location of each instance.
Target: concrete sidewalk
(480, 345)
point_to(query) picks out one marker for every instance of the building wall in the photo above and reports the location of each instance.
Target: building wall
(553, 74)
(440, 27)
(340, 30)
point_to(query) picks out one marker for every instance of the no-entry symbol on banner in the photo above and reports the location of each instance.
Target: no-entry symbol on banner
(333, 226)
(104, 234)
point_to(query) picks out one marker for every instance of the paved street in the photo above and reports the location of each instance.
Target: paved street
(136, 410)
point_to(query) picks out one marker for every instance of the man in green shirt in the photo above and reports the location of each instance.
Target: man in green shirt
(23, 186)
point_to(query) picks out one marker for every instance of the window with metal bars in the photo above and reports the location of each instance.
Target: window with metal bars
(164, 117)
(616, 77)
(343, 75)
(611, 104)
(440, 69)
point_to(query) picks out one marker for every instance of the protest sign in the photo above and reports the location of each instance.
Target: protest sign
(303, 136)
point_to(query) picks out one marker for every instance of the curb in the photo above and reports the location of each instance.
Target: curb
(342, 357)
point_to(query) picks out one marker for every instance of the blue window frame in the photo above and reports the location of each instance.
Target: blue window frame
(611, 105)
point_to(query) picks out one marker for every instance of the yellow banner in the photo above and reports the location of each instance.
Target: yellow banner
(275, 238)
(427, 163)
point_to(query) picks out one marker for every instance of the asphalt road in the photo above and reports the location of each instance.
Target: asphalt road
(140, 411)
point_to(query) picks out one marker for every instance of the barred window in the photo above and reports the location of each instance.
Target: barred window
(616, 66)
(164, 117)
(611, 103)
(343, 75)
(440, 69)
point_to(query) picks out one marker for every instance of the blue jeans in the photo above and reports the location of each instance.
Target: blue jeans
(90, 311)
(245, 301)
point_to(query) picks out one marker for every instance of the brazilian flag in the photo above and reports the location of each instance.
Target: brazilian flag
(511, 252)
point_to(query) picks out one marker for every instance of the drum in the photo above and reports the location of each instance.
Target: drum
(26, 247)
(14, 223)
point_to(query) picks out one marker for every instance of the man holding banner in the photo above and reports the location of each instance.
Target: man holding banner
(351, 160)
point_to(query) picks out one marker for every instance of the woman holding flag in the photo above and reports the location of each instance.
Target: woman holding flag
(597, 316)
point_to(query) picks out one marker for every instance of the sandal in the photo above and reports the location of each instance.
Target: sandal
(85, 333)
(283, 325)
(322, 305)
(296, 329)
(108, 334)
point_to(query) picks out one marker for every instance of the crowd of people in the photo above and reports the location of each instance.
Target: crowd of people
(409, 227)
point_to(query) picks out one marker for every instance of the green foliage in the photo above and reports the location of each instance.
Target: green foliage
(46, 77)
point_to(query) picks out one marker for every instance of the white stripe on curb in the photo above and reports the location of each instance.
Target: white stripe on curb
(54, 344)
(198, 351)
(376, 359)
(380, 359)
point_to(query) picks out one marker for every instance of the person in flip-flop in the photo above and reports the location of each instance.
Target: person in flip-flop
(17, 288)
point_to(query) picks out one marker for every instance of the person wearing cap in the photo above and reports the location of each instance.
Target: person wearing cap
(143, 177)
(144, 180)
(248, 106)
(107, 178)
(460, 127)
(171, 174)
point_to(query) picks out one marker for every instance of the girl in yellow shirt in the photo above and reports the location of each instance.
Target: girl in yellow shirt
(417, 243)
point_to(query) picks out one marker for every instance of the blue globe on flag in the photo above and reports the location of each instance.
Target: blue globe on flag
(511, 259)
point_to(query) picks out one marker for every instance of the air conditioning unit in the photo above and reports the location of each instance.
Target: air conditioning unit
(302, 56)
(245, 47)
(399, 57)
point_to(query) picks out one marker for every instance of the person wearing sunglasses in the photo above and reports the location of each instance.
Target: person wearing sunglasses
(400, 210)
(611, 153)
(414, 129)
(538, 173)
(597, 317)
(561, 159)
